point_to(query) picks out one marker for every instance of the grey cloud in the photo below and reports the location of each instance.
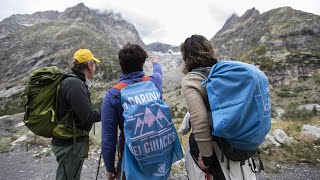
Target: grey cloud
(219, 15)
(145, 25)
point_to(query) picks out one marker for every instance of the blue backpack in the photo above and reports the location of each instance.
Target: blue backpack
(239, 100)
(152, 143)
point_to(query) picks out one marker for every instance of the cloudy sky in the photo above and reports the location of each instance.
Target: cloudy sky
(168, 21)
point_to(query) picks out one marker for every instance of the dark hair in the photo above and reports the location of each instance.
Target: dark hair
(131, 58)
(197, 51)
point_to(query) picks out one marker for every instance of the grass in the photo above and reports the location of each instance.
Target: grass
(5, 144)
(316, 78)
(296, 152)
(12, 105)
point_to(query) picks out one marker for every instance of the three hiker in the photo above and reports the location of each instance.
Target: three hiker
(147, 142)
(75, 110)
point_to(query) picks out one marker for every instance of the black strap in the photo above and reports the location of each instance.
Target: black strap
(254, 167)
(241, 167)
(221, 148)
(228, 164)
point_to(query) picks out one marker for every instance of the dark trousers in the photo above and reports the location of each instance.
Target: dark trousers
(120, 172)
(70, 159)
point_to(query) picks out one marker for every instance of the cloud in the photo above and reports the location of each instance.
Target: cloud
(145, 25)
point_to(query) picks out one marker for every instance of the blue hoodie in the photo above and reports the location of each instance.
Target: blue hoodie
(111, 113)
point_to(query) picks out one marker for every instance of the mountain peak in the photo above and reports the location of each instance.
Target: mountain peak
(250, 13)
(80, 7)
(80, 11)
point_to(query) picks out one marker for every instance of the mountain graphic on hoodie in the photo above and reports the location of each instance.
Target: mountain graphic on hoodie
(150, 122)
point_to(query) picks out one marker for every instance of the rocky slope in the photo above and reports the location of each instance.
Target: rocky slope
(50, 38)
(161, 47)
(282, 41)
(17, 22)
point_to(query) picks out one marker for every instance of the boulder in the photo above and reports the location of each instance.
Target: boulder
(281, 137)
(279, 112)
(310, 107)
(269, 142)
(310, 133)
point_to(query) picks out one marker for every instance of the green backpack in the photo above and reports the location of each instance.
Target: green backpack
(40, 102)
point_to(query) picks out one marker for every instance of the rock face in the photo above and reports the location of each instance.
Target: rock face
(284, 42)
(17, 22)
(164, 48)
(50, 38)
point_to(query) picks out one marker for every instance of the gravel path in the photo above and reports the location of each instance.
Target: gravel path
(19, 164)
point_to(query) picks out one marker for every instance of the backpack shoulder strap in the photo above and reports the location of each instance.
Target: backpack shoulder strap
(145, 78)
(198, 73)
(203, 72)
(122, 84)
(64, 76)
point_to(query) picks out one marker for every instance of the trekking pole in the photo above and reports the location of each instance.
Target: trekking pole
(98, 166)
(27, 142)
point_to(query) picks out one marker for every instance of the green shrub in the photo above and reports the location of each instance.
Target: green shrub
(293, 112)
(304, 152)
(316, 78)
(178, 113)
(300, 89)
(11, 105)
(259, 50)
(286, 94)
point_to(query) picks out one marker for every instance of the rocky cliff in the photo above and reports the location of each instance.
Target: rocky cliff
(284, 42)
(161, 47)
(50, 38)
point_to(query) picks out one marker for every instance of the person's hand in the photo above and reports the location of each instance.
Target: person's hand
(111, 176)
(154, 59)
(201, 164)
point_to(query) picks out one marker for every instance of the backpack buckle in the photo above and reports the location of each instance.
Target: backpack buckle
(84, 133)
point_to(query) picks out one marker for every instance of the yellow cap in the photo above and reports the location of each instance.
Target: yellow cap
(84, 55)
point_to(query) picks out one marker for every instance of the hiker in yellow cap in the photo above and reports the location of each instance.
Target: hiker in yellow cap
(84, 55)
(74, 108)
